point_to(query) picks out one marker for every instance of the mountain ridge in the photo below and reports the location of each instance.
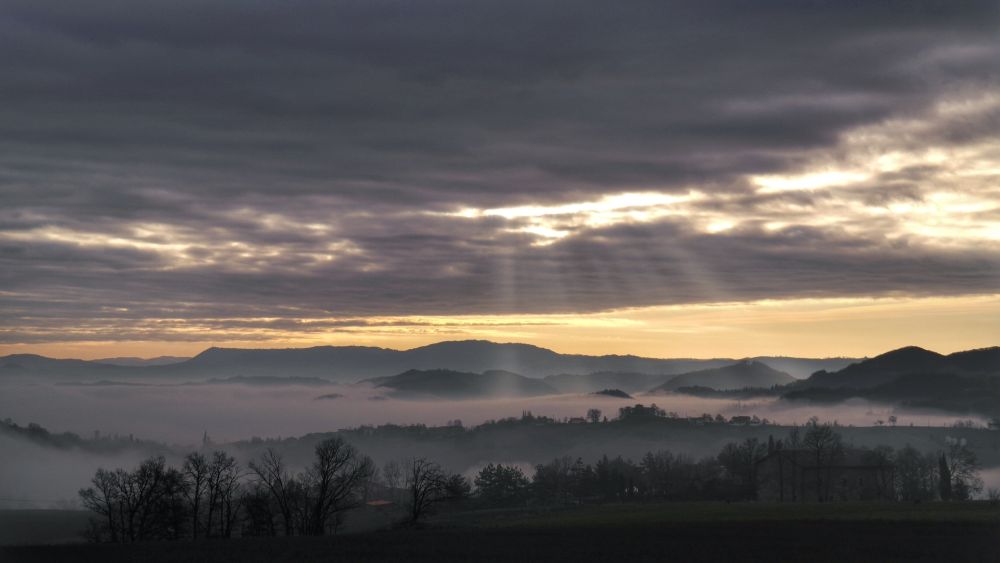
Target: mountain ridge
(354, 363)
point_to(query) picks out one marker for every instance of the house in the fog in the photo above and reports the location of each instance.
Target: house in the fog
(796, 475)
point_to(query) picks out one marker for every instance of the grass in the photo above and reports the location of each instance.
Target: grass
(650, 532)
(42, 526)
(658, 514)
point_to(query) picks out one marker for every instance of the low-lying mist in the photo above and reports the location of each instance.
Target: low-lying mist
(36, 475)
(182, 414)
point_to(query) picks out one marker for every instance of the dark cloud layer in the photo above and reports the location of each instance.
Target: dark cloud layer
(227, 159)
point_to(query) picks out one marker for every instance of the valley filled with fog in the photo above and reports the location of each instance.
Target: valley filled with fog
(181, 414)
(171, 420)
(466, 404)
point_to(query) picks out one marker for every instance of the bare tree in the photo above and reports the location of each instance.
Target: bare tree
(426, 484)
(594, 415)
(195, 470)
(103, 498)
(963, 470)
(334, 482)
(827, 448)
(740, 462)
(257, 502)
(273, 475)
(147, 503)
(224, 476)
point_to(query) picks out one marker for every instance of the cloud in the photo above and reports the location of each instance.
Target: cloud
(245, 160)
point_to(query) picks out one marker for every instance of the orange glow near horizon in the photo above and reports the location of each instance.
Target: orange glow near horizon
(853, 327)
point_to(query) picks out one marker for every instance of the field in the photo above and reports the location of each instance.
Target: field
(660, 532)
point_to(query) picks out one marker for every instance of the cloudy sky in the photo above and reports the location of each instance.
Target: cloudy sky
(664, 178)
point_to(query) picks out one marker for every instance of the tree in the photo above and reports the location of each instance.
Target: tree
(502, 485)
(426, 485)
(916, 477)
(883, 459)
(562, 480)
(963, 468)
(223, 485)
(195, 471)
(103, 498)
(594, 415)
(392, 478)
(457, 488)
(740, 463)
(827, 449)
(334, 482)
(259, 516)
(272, 474)
(944, 478)
(147, 503)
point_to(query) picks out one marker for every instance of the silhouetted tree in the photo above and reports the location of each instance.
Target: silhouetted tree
(271, 472)
(258, 509)
(223, 486)
(827, 449)
(963, 470)
(916, 476)
(502, 485)
(103, 498)
(392, 478)
(740, 463)
(882, 458)
(426, 484)
(195, 471)
(334, 483)
(147, 503)
(944, 478)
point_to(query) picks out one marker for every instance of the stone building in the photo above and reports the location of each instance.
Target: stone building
(796, 475)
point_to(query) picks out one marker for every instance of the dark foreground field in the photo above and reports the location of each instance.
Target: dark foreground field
(666, 532)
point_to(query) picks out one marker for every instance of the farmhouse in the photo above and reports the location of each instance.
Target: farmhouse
(799, 475)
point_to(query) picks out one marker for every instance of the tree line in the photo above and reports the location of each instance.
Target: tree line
(906, 474)
(214, 496)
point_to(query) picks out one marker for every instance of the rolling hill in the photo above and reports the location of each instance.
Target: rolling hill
(629, 382)
(354, 363)
(962, 382)
(449, 384)
(906, 361)
(748, 373)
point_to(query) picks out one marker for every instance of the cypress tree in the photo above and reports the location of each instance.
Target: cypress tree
(944, 478)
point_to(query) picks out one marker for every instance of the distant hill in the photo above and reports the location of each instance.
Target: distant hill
(748, 373)
(129, 361)
(32, 365)
(630, 382)
(354, 363)
(905, 361)
(265, 381)
(962, 382)
(449, 384)
(955, 393)
(801, 368)
(615, 393)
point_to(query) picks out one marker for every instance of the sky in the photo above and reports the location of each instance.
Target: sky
(664, 178)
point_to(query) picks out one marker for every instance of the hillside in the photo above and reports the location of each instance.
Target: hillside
(33, 365)
(354, 363)
(942, 391)
(130, 361)
(449, 384)
(748, 373)
(630, 382)
(963, 382)
(887, 367)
